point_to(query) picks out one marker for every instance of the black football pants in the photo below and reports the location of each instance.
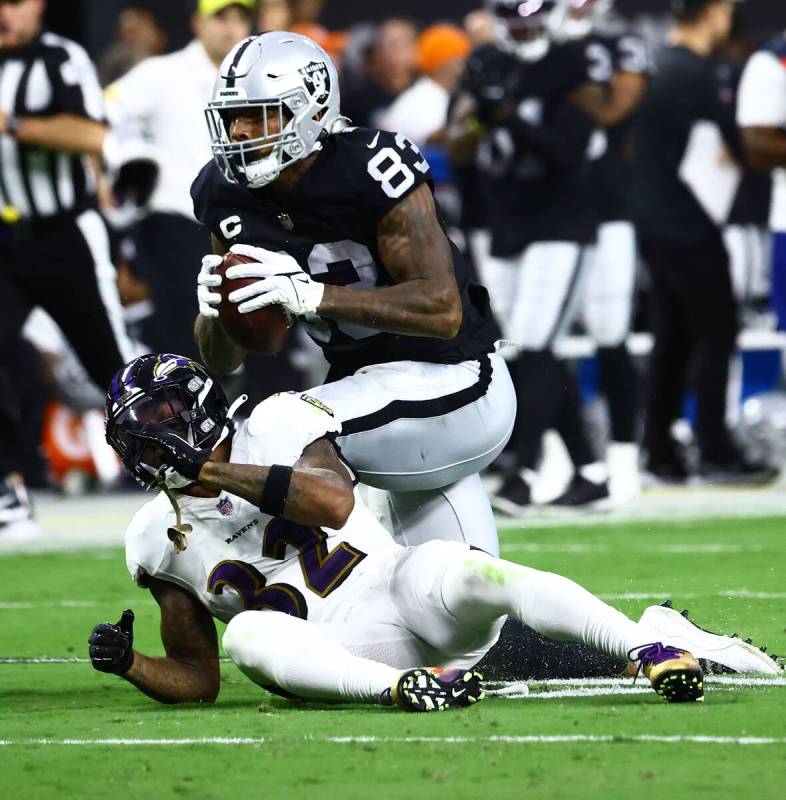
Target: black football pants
(695, 326)
(63, 266)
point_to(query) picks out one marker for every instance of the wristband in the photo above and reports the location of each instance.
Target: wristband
(274, 495)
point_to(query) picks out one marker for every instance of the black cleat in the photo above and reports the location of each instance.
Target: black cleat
(514, 497)
(436, 689)
(584, 494)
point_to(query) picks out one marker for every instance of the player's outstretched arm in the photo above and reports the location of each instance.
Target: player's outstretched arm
(317, 491)
(190, 672)
(415, 251)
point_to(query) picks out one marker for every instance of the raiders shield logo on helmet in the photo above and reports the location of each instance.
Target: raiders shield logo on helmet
(317, 80)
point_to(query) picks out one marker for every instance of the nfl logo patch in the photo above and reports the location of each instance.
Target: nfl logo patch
(225, 506)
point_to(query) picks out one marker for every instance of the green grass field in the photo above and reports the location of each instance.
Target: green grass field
(69, 732)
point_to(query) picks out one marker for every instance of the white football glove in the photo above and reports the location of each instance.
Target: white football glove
(281, 282)
(207, 280)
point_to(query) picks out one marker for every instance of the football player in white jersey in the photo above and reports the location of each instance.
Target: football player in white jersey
(257, 525)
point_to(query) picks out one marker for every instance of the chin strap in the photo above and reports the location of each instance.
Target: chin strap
(177, 532)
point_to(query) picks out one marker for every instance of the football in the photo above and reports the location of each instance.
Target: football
(263, 331)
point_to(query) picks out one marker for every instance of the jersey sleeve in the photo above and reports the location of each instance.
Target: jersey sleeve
(283, 426)
(384, 167)
(762, 93)
(75, 85)
(200, 194)
(147, 545)
(632, 55)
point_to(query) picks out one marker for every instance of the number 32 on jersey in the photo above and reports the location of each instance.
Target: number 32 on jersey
(388, 168)
(323, 570)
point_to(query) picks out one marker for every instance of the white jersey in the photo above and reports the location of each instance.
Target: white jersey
(762, 103)
(239, 558)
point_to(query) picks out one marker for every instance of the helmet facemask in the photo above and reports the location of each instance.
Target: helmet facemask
(258, 161)
(290, 85)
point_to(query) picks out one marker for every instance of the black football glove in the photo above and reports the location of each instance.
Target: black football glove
(111, 646)
(176, 452)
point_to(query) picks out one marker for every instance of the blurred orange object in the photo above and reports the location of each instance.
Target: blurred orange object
(333, 42)
(439, 44)
(65, 443)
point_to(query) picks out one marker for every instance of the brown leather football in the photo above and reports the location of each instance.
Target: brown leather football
(263, 331)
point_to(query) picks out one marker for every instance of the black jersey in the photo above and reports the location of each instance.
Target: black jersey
(613, 171)
(48, 76)
(534, 167)
(329, 225)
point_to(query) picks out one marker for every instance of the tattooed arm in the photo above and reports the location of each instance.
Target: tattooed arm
(189, 673)
(416, 253)
(320, 492)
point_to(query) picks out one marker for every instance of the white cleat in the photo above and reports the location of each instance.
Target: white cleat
(669, 626)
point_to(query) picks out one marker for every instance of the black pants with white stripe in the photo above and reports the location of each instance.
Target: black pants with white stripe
(64, 266)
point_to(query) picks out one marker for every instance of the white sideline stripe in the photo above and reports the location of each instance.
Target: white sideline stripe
(216, 740)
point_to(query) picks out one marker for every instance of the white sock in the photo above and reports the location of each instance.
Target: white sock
(478, 589)
(274, 648)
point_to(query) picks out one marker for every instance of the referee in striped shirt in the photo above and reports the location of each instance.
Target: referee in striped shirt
(54, 247)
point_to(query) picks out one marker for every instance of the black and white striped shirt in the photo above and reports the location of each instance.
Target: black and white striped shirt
(50, 75)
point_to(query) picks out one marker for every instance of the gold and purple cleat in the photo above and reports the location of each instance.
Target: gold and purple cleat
(675, 674)
(434, 689)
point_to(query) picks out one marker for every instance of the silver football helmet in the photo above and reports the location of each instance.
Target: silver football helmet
(523, 27)
(291, 84)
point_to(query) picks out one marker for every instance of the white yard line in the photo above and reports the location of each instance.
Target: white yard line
(571, 739)
(578, 548)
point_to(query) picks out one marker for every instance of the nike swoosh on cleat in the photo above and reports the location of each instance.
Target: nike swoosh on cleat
(458, 692)
(373, 142)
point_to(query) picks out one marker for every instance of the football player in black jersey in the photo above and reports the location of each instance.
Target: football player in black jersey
(609, 272)
(345, 234)
(526, 113)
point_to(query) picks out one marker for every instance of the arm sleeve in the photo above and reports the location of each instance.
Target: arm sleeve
(385, 167)
(761, 99)
(75, 85)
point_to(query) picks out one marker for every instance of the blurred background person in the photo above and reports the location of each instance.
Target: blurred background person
(421, 111)
(525, 115)
(138, 36)
(761, 113)
(479, 26)
(274, 15)
(610, 261)
(679, 223)
(54, 247)
(164, 98)
(389, 68)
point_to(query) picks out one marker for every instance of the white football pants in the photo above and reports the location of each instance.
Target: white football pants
(423, 432)
(444, 606)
